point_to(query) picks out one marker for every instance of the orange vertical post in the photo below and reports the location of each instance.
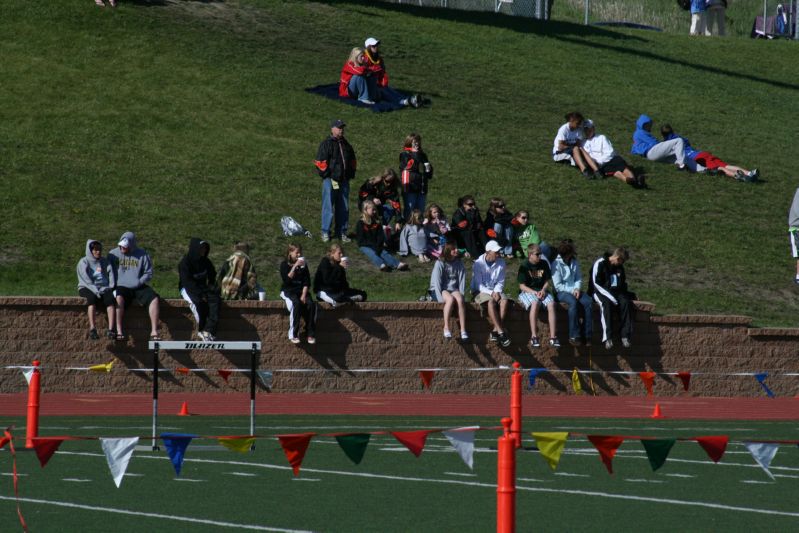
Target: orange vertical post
(506, 480)
(516, 404)
(34, 388)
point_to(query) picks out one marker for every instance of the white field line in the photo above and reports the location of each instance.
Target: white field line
(703, 429)
(573, 492)
(141, 514)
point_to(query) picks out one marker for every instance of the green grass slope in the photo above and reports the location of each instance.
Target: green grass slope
(179, 119)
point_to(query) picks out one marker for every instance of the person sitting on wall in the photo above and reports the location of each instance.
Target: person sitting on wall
(197, 285)
(378, 80)
(488, 282)
(608, 284)
(95, 284)
(535, 280)
(330, 280)
(295, 291)
(448, 285)
(567, 279)
(133, 269)
(237, 278)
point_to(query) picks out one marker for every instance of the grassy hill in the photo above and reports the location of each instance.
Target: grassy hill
(177, 119)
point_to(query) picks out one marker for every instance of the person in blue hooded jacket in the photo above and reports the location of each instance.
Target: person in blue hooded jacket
(698, 17)
(197, 284)
(646, 145)
(700, 160)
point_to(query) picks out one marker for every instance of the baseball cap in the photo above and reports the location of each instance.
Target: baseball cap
(588, 123)
(493, 246)
(338, 123)
(371, 41)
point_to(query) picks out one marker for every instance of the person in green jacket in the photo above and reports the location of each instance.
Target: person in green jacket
(525, 233)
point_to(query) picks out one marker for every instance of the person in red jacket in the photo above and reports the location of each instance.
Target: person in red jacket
(416, 171)
(354, 78)
(378, 78)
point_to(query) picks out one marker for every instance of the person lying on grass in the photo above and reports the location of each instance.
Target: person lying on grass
(599, 150)
(646, 145)
(709, 161)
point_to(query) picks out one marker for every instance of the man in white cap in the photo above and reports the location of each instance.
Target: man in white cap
(488, 282)
(378, 81)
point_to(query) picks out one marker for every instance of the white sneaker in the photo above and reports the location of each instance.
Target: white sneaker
(294, 340)
(608, 344)
(625, 342)
(447, 334)
(464, 336)
(325, 237)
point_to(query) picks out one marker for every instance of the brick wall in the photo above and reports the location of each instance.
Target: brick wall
(395, 338)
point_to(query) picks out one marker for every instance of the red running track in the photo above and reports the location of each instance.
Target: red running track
(683, 407)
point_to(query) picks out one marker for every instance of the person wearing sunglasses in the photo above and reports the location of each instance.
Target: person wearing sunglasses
(535, 280)
(467, 227)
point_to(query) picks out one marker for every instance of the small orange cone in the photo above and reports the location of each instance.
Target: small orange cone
(184, 409)
(656, 413)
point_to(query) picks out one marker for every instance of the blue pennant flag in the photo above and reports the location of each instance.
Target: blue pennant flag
(176, 444)
(761, 378)
(533, 374)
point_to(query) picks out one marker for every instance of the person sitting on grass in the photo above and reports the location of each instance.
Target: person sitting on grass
(378, 80)
(197, 285)
(488, 282)
(568, 145)
(295, 291)
(608, 162)
(95, 284)
(525, 233)
(448, 284)
(237, 278)
(646, 145)
(709, 161)
(330, 280)
(354, 78)
(413, 238)
(371, 240)
(535, 280)
(383, 191)
(467, 227)
(133, 269)
(567, 280)
(608, 284)
(437, 228)
(499, 226)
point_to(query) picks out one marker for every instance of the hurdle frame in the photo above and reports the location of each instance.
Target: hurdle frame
(254, 347)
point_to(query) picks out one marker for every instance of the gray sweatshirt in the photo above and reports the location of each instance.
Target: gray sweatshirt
(97, 275)
(793, 214)
(134, 269)
(413, 239)
(448, 276)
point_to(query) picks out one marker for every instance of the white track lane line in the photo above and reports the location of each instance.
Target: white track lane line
(140, 514)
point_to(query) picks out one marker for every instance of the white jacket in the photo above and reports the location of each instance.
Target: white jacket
(488, 278)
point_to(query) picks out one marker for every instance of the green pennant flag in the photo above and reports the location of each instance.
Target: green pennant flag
(354, 445)
(657, 450)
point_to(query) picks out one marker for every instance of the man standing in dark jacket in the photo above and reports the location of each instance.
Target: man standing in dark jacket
(608, 285)
(197, 285)
(335, 162)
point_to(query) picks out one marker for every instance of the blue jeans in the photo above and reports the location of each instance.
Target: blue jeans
(412, 200)
(384, 257)
(574, 314)
(335, 204)
(360, 88)
(504, 238)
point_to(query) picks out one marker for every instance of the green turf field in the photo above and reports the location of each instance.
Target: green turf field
(391, 490)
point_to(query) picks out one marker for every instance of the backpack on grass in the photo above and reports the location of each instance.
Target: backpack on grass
(291, 227)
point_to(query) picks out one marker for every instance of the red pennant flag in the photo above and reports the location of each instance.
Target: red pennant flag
(714, 446)
(45, 447)
(224, 374)
(413, 440)
(295, 446)
(649, 379)
(182, 370)
(4, 441)
(427, 377)
(685, 377)
(607, 447)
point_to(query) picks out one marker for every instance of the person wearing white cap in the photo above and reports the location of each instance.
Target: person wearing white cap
(599, 149)
(488, 282)
(378, 78)
(133, 269)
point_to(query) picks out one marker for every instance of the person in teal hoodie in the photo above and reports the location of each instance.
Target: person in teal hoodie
(133, 270)
(95, 284)
(646, 145)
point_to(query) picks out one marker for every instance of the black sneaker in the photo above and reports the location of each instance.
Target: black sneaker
(493, 337)
(93, 334)
(555, 343)
(598, 175)
(588, 174)
(535, 342)
(574, 341)
(504, 340)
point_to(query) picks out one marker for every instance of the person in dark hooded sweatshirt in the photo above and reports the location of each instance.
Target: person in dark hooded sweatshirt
(133, 269)
(96, 285)
(197, 285)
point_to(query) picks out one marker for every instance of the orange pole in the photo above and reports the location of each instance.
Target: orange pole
(516, 404)
(32, 425)
(506, 480)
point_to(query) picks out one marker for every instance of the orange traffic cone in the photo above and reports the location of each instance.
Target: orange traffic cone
(184, 409)
(656, 413)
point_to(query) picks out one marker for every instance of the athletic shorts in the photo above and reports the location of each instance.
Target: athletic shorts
(709, 161)
(481, 297)
(794, 236)
(527, 299)
(143, 295)
(106, 299)
(616, 164)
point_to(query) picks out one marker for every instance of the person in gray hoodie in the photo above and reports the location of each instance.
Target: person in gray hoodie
(448, 284)
(96, 284)
(133, 270)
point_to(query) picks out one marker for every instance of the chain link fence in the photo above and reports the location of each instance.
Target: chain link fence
(537, 9)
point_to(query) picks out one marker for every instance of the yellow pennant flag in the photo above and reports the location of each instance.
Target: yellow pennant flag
(578, 388)
(102, 368)
(551, 445)
(237, 444)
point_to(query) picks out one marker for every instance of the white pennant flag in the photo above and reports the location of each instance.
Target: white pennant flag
(462, 439)
(118, 453)
(27, 372)
(266, 378)
(763, 453)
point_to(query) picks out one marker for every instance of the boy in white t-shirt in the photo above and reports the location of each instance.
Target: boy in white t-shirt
(568, 145)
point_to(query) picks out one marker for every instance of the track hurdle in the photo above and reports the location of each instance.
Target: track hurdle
(254, 347)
